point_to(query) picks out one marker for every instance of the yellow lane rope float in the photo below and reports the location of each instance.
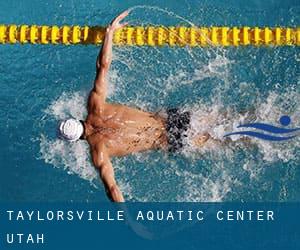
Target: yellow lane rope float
(152, 36)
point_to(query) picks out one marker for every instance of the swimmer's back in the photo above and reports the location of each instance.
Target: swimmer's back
(126, 130)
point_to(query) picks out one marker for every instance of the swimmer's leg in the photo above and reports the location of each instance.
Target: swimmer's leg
(200, 140)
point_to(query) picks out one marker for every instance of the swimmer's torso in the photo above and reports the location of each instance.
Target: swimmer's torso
(124, 130)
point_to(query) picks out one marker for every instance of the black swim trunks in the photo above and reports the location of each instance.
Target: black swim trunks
(177, 125)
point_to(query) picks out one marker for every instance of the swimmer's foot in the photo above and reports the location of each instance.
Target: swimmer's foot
(200, 140)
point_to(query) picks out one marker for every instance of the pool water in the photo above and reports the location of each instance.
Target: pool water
(43, 84)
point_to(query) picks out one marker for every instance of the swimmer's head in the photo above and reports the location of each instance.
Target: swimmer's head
(70, 130)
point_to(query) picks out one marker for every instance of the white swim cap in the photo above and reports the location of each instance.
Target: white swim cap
(70, 130)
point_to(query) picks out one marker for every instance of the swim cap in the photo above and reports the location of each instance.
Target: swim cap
(70, 129)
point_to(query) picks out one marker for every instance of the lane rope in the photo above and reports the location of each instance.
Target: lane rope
(152, 35)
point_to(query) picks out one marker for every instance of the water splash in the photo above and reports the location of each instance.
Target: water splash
(215, 85)
(192, 185)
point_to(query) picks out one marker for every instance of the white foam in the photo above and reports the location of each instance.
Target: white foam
(214, 118)
(72, 157)
(200, 188)
(216, 121)
(271, 110)
(68, 105)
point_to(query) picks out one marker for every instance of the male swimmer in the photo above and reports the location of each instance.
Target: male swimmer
(117, 130)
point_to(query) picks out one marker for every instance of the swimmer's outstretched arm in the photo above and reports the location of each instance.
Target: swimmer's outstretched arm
(105, 56)
(103, 164)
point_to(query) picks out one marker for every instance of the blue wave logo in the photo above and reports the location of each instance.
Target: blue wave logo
(279, 133)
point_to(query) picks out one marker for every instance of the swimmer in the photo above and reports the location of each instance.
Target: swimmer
(114, 130)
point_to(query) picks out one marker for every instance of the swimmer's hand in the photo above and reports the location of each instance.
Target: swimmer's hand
(105, 57)
(115, 24)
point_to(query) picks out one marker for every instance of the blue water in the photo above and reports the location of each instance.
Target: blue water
(42, 84)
